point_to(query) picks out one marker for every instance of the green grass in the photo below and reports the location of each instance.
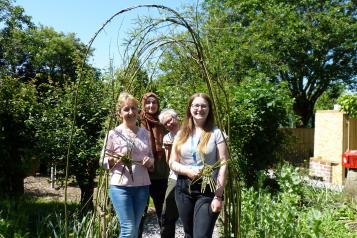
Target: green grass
(27, 217)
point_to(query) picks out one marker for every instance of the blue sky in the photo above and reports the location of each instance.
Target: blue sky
(85, 17)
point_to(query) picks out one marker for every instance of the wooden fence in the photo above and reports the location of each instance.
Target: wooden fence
(299, 146)
(353, 134)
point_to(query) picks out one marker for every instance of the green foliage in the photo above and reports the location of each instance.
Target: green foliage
(18, 107)
(51, 56)
(29, 217)
(348, 104)
(182, 79)
(308, 44)
(298, 210)
(82, 226)
(54, 129)
(329, 98)
(26, 217)
(289, 179)
(28, 51)
(258, 110)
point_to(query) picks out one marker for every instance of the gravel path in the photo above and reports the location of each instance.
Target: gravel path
(152, 230)
(40, 187)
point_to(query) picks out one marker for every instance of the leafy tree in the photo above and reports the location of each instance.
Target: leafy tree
(258, 110)
(18, 107)
(309, 44)
(180, 80)
(40, 56)
(348, 104)
(133, 79)
(54, 131)
(12, 21)
(329, 97)
(44, 54)
(28, 51)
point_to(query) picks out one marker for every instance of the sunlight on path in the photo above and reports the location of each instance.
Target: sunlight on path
(152, 230)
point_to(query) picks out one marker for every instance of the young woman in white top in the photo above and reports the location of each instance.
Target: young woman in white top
(197, 143)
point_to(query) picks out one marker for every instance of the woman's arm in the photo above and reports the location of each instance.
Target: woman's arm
(177, 167)
(217, 201)
(148, 161)
(167, 152)
(222, 172)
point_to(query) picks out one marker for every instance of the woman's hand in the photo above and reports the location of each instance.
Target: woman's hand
(216, 204)
(192, 173)
(113, 159)
(148, 163)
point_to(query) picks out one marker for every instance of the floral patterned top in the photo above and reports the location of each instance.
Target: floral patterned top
(122, 141)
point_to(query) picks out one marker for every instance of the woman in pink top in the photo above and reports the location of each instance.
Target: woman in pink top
(129, 182)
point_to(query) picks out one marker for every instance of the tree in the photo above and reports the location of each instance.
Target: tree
(18, 107)
(12, 20)
(309, 44)
(56, 125)
(258, 109)
(44, 54)
(132, 78)
(28, 51)
(40, 59)
(348, 104)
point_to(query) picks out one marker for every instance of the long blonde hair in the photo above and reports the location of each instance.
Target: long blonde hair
(188, 126)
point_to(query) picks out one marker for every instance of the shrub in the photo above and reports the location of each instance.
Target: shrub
(259, 108)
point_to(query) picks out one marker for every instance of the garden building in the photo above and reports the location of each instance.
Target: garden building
(335, 133)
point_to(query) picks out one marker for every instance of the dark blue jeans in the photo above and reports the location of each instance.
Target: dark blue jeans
(194, 208)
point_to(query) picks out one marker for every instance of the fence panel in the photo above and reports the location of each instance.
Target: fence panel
(299, 146)
(353, 134)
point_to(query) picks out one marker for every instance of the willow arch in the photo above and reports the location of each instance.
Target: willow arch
(196, 50)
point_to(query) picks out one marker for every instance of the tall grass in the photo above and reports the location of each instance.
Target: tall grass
(29, 217)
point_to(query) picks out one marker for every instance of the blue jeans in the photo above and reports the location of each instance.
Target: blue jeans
(129, 204)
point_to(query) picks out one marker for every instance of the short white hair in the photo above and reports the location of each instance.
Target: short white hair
(167, 111)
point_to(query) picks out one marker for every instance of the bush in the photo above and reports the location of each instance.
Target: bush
(298, 210)
(259, 108)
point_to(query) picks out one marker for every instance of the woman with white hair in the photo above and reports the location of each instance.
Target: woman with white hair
(169, 216)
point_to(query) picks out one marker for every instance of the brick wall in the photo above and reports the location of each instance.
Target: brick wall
(320, 169)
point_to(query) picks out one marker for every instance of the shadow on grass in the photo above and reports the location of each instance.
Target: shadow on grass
(31, 217)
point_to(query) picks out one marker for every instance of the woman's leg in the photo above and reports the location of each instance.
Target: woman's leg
(157, 192)
(204, 218)
(185, 206)
(124, 207)
(169, 214)
(140, 195)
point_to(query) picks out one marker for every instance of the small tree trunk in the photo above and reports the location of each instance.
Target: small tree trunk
(87, 191)
(305, 109)
(16, 185)
(12, 178)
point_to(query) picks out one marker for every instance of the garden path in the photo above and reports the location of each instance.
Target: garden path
(39, 186)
